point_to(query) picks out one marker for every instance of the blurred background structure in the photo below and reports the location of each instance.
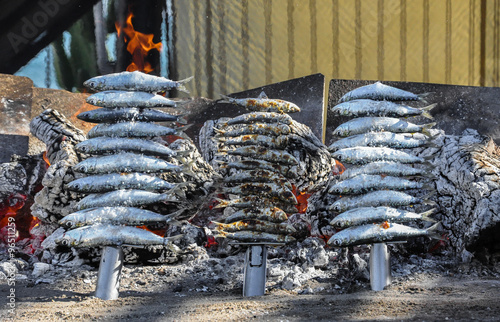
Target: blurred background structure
(231, 46)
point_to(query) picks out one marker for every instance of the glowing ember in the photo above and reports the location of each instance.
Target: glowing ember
(158, 231)
(385, 225)
(139, 45)
(210, 242)
(338, 168)
(301, 200)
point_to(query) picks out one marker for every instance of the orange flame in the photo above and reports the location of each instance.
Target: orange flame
(139, 45)
(45, 158)
(160, 232)
(301, 199)
(338, 168)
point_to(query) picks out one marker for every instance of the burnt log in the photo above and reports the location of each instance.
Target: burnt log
(467, 171)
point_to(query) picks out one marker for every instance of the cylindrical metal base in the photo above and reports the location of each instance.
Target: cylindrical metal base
(254, 282)
(108, 280)
(380, 267)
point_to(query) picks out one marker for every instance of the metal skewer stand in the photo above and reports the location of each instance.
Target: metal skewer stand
(380, 267)
(110, 269)
(254, 282)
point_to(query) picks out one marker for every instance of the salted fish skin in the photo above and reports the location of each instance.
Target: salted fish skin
(379, 91)
(256, 225)
(111, 235)
(263, 117)
(135, 81)
(124, 198)
(262, 104)
(104, 145)
(367, 107)
(262, 153)
(133, 129)
(117, 181)
(130, 216)
(368, 182)
(270, 129)
(376, 233)
(269, 189)
(271, 214)
(120, 114)
(363, 155)
(367, 124)
(116, 98)
(386, 168)
(367, 215)
(377, 198)
(272, 142)
(125, 162)
(382, 139)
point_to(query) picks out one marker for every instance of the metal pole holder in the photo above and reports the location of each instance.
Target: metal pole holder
(110, 269)
(380, 267)
(254, 282)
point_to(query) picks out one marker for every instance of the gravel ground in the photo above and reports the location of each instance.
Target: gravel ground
(424, 287)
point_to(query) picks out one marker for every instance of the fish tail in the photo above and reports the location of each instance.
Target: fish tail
(423, 97)
(180, 131)
(426, 215)
(178, 191)
(426, 111)
(432, 231)
(427, 127)
(188, 169)
(181, 87)
(219, 226)
(221, 203)
(430, 144)
(181, 119)
(221, 234)
(167, 197)
(225, 99)
(218, 131)
(429, 202)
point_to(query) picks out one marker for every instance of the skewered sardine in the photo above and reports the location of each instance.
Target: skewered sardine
(377, 199)
(262, 104)
(362, 155)
(272, 214)
(125, 162)
(129, 99)
(118, 181)
(376, 124)
(135, 81)
(256, 225)
(103, 145)
(263, 153)
(367, 107)
(382, 139)
(368, 182)
(134, 129)
(124, 198)
(385, 168)
(373, 233)
(120, 114)
(110, 235)
(116, 216)
(379, 91)
(368, 215)
(264, 117)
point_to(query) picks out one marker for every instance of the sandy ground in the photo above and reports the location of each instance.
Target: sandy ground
(416, 297)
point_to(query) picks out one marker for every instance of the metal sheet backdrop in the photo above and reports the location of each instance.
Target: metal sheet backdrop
(231, 46)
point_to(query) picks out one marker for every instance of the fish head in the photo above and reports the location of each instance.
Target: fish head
(335, 242)
(67, 223)
(336, 207)
(66, 240)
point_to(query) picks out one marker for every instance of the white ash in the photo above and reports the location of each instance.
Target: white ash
(13, 178)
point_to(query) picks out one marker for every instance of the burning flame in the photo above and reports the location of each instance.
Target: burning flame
(338, 168)
(139, 45)
(46, 159)
(301, 199)
(160, 231)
